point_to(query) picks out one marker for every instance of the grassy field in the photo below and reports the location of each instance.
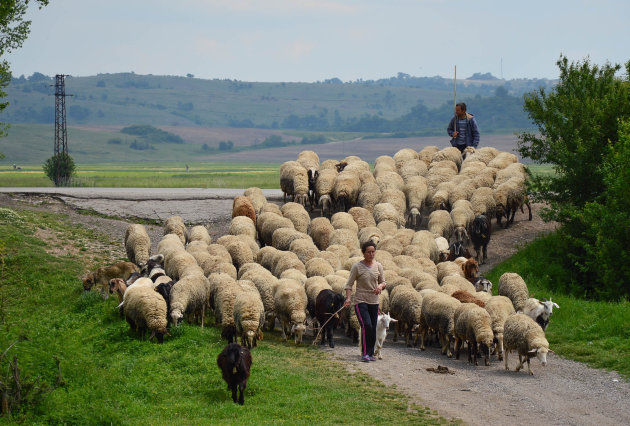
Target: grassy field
(109, 374)
(172, 175)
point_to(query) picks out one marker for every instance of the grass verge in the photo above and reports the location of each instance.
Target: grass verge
(109, 374)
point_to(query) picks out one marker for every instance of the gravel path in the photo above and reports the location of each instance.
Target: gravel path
(562, 393)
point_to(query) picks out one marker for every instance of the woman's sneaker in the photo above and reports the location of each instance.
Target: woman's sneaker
(365, 358)
(371, 358)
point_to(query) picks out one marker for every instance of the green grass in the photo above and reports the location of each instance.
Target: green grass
(112, 375)
(155, 175)
(593, 332)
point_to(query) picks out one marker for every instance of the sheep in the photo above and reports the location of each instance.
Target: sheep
(461, 191)
(451, 154)
(294, 274)
(266, 283)
(516, 198)
(294, 182)
(369, 195)
(283, 237)
(290, 301)
(441, 173)
(269, 208)
(480, 233)
(471, 270)
(137, 244)
(363, 217)
(298, 215)
(287, 260)
(200, 233)
(328, 164)
(318, 266)
(390, 245)
(239, 249)
(242, 206)
(403, 156)
(190, 296)
(427, 153)
(145, 309)
(387, 211)
(443, 247)
(416, 191)
(485, 154)
(452, 283)
(462, 217)
(324, 188)
(539, 311)
(243, 225)
(320, 231)
(390, 180)
(310, 161)
(387, 227)
(438, 199)
(438, 314)
(370, 233)
(483, 285)
(483, 202)
(502, 160)
(499, 308)
(312, 287)
(473, 324)
(513, 286)
(440, 224)
(396, 198)
(249, 317)
(345, 238)
(343, 220)
(522, 333)
(304, 249)
(516, 170)
(406, 307)
(104, 274)
(235, 362)
(225, 294)
(327, 305)
(257, 198)
(413, 168)
(382, 324)
(175, 225)
(423, 245)
(346, 190)
(270, 224)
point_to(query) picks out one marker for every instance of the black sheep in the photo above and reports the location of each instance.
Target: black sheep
(480, 231)
(328, 303)
(235, 362)
(165, 291)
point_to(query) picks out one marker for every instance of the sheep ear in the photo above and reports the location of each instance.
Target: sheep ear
(533, 351)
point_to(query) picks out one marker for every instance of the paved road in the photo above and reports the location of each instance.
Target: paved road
(194, 205)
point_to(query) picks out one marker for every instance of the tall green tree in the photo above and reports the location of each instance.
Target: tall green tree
(579, 124)
(14, 29)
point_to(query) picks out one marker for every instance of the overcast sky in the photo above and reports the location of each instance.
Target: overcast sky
(311, 40)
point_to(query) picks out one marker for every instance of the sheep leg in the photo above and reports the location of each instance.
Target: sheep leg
(233, 387)
(329, 331)
(500, 347)
(474, 349)
(505, 356)
(203, 314)
(529, 369)
(485, 254)
(458, 346)
(423, 336)
(521, 361)
(448, 340)
(529, 207)
(241, 398)
(395, 339)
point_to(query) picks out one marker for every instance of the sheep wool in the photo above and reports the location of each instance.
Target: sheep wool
(499, 308)
(175, 225)
(249, 317)
(525, 335)
(145, 309)
(137, 244)
(199, 233)
(513, 287)
(290, 301)
(473, 325)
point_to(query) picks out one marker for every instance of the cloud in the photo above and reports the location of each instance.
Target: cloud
(298, 50)
(275, 6)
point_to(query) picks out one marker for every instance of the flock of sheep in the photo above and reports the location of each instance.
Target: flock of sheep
(277, 262)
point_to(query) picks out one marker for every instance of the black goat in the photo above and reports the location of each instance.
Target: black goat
(165, 291)
(235, 362)
(480, 232)
(327, 304)
(456, 250)
(313, 174)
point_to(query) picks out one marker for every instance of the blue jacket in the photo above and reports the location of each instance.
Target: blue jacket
(472, 131)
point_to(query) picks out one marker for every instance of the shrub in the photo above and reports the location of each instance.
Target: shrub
(60, 168)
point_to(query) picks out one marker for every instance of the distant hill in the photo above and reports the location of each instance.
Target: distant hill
(128, 99)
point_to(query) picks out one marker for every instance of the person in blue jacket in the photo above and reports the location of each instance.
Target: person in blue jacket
(463, 129)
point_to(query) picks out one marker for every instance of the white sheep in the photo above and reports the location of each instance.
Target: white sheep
(405, 305)
(362, 216)
(343, 220)
(283, 237)
(438, 314)
(242, 206)
(320, 231)
(249, 317)
(473, 325)
(242, 225)
(441, 224)
(525, 335)
(513, 287)
(257, 198)
(369, 196)
(297, 214)
(499, 308)
(200, 233)
(190, 296)
(145, 309)
(290, 302)
(137, 244)
(175, 225)
(346, 190)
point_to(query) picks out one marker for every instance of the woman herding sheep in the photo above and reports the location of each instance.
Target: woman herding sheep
(370, 280)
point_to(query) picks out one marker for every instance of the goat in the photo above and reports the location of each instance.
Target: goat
(382, 324)
(471, 270)
(483, 284)
(327, 304)
(539, 311)
(235, 362)
(457, 249)
(312, 174)
(480, 232)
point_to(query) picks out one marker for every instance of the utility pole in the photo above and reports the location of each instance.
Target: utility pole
(61, 134)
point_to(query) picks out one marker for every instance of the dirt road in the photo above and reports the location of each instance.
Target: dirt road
(562, 393)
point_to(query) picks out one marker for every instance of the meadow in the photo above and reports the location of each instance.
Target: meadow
(168, 175)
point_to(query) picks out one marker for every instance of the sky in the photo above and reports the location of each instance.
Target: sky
(314, 40)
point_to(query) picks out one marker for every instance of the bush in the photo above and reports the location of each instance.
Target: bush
(60, 168)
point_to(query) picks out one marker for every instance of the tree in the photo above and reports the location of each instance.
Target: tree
(13, 31)
(580, 133)
(59, 168)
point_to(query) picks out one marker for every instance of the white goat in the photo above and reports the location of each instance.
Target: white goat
(381, 332)
(539, 311)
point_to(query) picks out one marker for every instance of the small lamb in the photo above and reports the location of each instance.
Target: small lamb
(382, 324)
